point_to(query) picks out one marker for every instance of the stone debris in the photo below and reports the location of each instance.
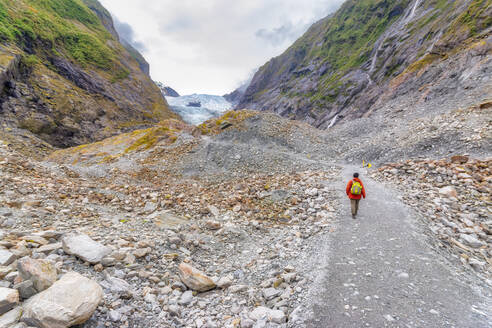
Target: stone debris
(453, 197)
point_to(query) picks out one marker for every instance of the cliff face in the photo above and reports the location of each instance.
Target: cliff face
(66, 78)
(349, 63)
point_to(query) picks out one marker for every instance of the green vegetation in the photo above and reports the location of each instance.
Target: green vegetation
(344, 40)
(60, 27)
(477, 17)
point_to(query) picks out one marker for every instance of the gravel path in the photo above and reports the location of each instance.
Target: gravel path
(381, 272)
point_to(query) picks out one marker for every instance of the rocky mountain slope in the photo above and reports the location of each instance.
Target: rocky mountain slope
(350, 63)
(167, 91)
(66, 79)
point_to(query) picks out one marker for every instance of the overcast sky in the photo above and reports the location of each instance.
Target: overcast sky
(211, 46)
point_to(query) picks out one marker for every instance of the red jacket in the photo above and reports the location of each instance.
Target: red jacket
(349, 186)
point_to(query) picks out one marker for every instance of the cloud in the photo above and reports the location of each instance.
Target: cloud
(125, 31)
(279, 35)
(211, 46)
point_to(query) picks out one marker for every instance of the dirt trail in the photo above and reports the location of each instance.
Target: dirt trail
(381, 272)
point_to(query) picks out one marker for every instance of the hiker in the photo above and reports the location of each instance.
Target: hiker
(355, 190)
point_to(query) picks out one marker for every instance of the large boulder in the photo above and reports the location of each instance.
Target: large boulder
(42, 273)
(70, 301)
(8, 299)
(195, 279)
(85, 248)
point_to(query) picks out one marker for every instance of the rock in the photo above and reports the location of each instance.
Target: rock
(389, 318)
(448, 191)
(26, 289)
(238, 288)
(471, 240)
(5, 270)
(214, 210)
(141, 252)
(35, 239)
(289, 277)
(195, 279)
(261, 312)
(41, 272)
(10, 318)
(271, 293)
(119, 286)
(68, 302)
(150, 298)
(477, 264)
(8, 299)
(150, 207)
(186, 298)
(312, 192)
(174, 310)
(6, 257)
(460, 159)
(224, 282)
(114, 315)
(49, 248)
(212, 225)
(85, 248)
(247, 323)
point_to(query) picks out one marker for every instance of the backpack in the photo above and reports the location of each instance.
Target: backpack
(356, 188)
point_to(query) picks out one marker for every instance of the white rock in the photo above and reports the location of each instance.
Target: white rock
(10, 318)
(6, 257)
(389, 318)
(224, 282)
(186, 298)
(262, 312)
(271, 293)
(471, 240)
(8, 299)
(68, 302)
(49, 248)
(85, 248)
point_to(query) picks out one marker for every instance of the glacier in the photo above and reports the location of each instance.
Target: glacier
(211, 106)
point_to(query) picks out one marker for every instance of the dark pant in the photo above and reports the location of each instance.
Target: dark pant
(354, 204)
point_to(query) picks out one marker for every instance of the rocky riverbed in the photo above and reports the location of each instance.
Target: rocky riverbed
(224, 255)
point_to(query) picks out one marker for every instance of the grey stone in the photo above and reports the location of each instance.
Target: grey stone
(114, 315)
(186, 298)
(85, 248)
(8, 299)
(471, 240)
(6, 257)
(49, 248)
(26, 289)
(271, 293)
(10, 318)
